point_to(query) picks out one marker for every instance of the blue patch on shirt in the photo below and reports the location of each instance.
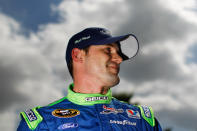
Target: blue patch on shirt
(67, 126)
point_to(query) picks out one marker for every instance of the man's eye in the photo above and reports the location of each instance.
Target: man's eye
(108, 50)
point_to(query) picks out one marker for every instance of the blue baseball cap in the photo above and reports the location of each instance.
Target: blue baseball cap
(101, 36)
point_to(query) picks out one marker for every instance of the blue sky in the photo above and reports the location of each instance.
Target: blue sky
(193, 57)
(30, 14)
(33, 39)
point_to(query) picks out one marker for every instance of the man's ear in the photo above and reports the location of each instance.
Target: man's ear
(77, 55)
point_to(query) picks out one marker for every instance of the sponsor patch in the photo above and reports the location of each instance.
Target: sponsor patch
(146, 111)
(97, 98)
(31, 115)
(108, 110)
(124, 122)
(133, 114)
(65, 113)
(67, 126)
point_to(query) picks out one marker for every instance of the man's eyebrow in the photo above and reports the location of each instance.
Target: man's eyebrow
(111, 45)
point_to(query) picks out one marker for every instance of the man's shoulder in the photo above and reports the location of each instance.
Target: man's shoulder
(55, 104)
(146, 112)
(58, 102)
(34, 117)
(31, 117)
(123, 103)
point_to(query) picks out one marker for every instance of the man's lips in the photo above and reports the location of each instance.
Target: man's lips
(114, 66)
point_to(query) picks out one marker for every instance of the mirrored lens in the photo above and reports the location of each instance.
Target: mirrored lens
(129, 47)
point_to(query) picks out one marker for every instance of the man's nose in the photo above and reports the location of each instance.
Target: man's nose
(117, 58)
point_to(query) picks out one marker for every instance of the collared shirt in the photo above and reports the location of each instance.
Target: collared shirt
(89, 112)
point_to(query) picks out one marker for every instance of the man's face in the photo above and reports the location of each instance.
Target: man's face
(102, 62)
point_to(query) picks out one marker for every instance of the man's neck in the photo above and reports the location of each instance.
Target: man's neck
(89, 87)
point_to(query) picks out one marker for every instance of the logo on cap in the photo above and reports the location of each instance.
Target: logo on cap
(106, 32)
(83, 38)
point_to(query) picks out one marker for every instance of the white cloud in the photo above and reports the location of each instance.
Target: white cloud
(80, 15)
(26, 74)
(8, 119)
(185, 9)
(160, 77)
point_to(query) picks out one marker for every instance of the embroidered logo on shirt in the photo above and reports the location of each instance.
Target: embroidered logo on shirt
(146, 111)
(65, 113)
(133, 114)
(109, 110)
(30, 114)
(124, 122)
(96, 98)
(67, 126)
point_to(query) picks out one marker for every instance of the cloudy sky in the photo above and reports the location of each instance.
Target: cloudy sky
(34, 36)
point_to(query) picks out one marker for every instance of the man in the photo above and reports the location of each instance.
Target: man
(93, 58)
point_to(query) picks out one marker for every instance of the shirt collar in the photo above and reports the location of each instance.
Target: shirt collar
(88, 99)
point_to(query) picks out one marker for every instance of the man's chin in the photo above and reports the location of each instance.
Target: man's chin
(114, 81)
(114, 71)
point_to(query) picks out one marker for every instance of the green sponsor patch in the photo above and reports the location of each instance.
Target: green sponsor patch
(32, 117)
(147, 114)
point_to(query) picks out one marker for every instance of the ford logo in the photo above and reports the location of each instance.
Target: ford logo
(67, 125)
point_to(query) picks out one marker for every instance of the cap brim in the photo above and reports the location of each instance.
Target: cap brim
(128, 54)
(112, 40)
